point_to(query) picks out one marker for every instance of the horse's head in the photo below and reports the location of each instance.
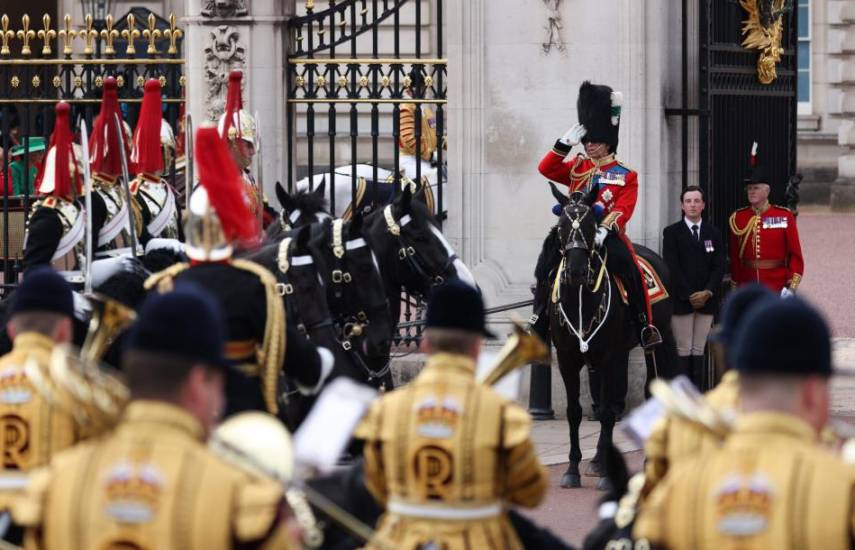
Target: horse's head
(355, 289)
(412, 250)
(298, 209)
(576, 231)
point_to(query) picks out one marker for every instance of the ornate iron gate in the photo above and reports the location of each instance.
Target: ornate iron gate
(737, 108)
(41, 66)
(352, 67)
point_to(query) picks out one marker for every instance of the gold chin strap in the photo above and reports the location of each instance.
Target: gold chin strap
(391, 224)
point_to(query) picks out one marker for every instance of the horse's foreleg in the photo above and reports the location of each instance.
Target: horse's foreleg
(570, 376)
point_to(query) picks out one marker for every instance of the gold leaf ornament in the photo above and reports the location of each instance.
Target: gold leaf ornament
(152, 34)
(89, 35)
(130, 34)
(764, 32)
(108, 35)
(5, 35)
(25, 35)
(46, 34)
(66, 35)
(173, 34)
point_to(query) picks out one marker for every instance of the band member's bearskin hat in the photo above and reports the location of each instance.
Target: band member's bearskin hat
(104, 155)
(757, 172)
(59, 174)
(599, 110)
(219, 208)
(235, 122)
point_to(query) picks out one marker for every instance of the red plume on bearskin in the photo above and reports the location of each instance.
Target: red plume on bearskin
(104, 141)
(234, 103)
(219, 175)
(65, 181)
(147, 156)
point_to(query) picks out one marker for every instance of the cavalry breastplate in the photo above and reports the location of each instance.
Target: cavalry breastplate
(117, 214)
(159, 200)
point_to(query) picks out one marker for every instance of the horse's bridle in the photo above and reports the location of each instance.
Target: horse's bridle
(408, 254)
(284, 285)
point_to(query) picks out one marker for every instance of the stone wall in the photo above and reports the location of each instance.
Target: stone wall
(841, 49)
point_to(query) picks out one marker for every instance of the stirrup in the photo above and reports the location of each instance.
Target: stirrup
(650, 337)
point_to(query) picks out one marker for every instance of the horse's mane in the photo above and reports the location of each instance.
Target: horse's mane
(550, 251)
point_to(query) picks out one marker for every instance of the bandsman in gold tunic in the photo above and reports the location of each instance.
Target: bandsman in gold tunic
(675, 439)
(446, 455)
(33, 427)
(152, 483)
(771, 485)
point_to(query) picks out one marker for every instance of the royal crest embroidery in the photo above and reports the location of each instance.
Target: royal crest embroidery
(607, 195)
(437, 420)
(744, 504)
(133, 492)
(14, 387)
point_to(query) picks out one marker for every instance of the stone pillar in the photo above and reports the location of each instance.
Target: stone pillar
(249, 35)
(841, 49)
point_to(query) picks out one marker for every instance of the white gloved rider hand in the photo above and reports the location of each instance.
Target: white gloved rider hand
(786, 292)
(600, 237)
(574, 135)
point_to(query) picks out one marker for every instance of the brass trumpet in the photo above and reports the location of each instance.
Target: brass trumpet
(520, 349)
(109, 319)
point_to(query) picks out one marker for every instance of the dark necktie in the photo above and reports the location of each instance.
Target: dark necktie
(695, 232)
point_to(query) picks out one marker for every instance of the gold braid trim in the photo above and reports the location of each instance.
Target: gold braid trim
(742, 234)
(794, 282)
(272, 352)
(163, 280)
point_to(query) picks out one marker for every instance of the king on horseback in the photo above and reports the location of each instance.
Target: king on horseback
(612, 189)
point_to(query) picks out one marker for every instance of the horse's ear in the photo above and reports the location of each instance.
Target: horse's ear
(559, 196)
(405, 199)
(283, 197)
(319, 190)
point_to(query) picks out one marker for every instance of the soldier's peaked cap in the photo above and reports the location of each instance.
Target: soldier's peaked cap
(599, 109)
(43, 290)
(783, 336)
(458, 306)
(186, 323)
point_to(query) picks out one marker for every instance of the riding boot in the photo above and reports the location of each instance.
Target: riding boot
(685, 365)
(697, 362)
(649, 335)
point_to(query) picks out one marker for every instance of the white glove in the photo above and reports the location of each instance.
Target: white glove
(787, 293)
(574, 135)
(600, 237)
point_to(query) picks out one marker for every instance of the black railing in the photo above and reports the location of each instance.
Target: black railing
(354, 65)
(40, 67)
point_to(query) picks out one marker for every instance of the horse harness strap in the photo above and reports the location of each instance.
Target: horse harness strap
(408, 253)
(285, 288)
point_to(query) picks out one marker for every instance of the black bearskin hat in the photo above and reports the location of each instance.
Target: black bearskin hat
(599, 109)
(757, 172)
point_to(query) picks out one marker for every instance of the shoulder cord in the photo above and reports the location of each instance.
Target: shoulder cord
(272, 352)
(742, 234)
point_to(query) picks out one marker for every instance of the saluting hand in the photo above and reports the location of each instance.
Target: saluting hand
(574, 135)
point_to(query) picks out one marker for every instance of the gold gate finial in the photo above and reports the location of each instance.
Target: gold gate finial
(152, 33)
(67, 35)
(130, 34)
(26, 35)
(173, 34)
(46, 34)
(89, 35)
(5, 35)
(108, 35)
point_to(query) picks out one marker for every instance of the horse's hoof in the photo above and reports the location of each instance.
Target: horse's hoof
(571, 481)
(603, 484)
(594, 469)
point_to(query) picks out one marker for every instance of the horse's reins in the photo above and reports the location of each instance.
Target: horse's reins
(409, 255)
(577, 240)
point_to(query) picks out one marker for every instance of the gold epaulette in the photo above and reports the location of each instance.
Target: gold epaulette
(164, 280)
(272, 352)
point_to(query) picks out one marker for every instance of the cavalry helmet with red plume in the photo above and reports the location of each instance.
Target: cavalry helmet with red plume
(154, 140)
(59, 174)
(219, 207)
(235, 122)
(104, 156)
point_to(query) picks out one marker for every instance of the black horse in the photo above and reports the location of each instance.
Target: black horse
(413, 254)
(590, 324)
(356, 294)
(298, 209)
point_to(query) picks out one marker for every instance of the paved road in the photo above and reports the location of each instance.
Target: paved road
(828, 242)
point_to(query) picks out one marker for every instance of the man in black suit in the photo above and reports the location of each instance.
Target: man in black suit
(694, 252)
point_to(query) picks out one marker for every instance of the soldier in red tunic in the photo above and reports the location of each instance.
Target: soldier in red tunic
(764, 239)
(611, 186)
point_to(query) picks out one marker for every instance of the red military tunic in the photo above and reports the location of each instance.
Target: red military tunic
(765, 248)
(618, 185)
(616, 196)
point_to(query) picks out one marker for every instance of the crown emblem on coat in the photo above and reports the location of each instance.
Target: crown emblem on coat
(15, 388)
(437, 419)
(133, 491)
(744, 504)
